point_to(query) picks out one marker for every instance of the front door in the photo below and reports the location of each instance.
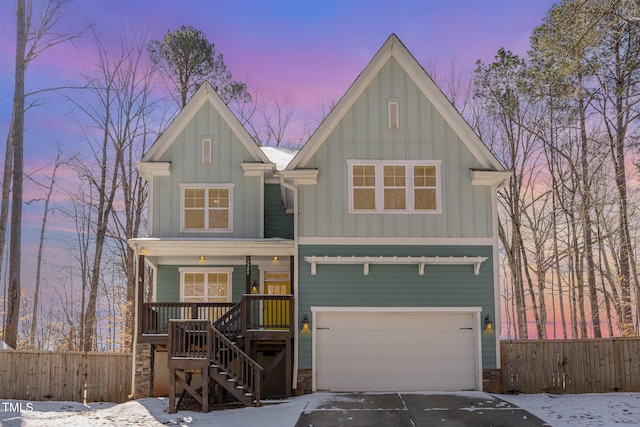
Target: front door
(277, 312)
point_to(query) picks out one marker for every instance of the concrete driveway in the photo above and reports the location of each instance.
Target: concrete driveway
(417, 409)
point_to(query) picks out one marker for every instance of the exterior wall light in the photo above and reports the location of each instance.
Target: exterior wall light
(275, 261)
(305, 325)
(202, 258)
(488, 324)
(254, 288)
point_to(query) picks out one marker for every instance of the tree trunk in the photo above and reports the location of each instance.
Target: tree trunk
(13, 309)
(36, 292)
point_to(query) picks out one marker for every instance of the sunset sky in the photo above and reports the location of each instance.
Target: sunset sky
(308, 51)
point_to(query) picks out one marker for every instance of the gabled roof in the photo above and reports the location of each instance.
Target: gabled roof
(393, 47)
(205, 93)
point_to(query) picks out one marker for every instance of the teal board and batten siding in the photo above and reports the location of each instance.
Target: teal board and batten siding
(168, 281)
(277, 222)
(423, 134)
(396, 285)
(227, 156)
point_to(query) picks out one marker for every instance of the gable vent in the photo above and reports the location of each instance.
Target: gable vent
(206, 151)
(393, 115)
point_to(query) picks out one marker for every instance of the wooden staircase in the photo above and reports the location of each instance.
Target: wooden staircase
(235, 370)
(218, 350)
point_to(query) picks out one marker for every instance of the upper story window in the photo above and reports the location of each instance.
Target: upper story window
(207, 207)
(396, 186)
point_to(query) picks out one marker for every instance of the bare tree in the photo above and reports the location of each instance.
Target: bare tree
(134, 131)
(47, 199)
(36, 32)
(277, 118)
(17, 142)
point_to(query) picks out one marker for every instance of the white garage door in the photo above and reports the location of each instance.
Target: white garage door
(379, 351)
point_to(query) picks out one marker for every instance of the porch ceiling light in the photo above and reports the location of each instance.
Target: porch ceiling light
(275, 261)
(202, 258)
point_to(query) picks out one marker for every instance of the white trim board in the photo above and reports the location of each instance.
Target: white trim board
(399, 241)
(420, 261)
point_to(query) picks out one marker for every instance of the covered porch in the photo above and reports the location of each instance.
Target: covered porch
(242, 288)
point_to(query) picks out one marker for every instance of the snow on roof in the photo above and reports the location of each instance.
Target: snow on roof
(279, 155)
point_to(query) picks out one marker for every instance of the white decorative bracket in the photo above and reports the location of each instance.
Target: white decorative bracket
(420, 261)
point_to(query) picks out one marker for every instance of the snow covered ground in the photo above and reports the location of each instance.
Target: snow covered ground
(583, 410)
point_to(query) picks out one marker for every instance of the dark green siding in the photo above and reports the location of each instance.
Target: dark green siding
(277, 223)
(396, 285)
(168, 284)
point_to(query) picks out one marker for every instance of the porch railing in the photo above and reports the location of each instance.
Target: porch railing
(155, 316)
(257, 311)
(268, 311)
(189, 339)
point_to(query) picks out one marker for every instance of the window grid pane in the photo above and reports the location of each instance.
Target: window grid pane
(194, 198)
(364, 187)
(424, 181)
(394, 187)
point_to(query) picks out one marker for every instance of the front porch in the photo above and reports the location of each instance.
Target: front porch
(197, 298)
(224, 343)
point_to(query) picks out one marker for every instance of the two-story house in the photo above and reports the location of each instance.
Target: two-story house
(368, 263)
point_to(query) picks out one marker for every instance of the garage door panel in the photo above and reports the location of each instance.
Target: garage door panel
(414, 351)
(376, 367)
(385, 321)
(386, 382)
(420, 336)
(395, 351)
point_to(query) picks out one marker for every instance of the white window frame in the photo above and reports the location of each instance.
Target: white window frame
(206, 271)
(206, 228)
(409, 188)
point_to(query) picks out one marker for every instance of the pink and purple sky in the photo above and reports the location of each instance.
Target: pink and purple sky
(306, 51)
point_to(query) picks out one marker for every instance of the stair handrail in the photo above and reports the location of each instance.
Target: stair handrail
(230, 323)
(246, 372)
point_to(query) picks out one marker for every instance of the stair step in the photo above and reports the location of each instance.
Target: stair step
(239, 387)
(248, 394)
(231, 380)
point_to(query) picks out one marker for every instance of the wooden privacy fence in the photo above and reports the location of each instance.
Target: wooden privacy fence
(571, 366)
(66, 376)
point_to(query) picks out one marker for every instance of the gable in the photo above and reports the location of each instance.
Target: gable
(205, 95)
(205, 153)
(427, 132)
(394, 52)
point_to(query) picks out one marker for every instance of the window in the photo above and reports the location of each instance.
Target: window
(424, 187)
(207, 207)
(205, 284)
(395, 187)
(378, 186)
(364, 187)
